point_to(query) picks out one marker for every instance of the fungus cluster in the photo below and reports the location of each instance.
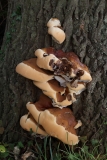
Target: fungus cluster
(56, 122)
(61, 76)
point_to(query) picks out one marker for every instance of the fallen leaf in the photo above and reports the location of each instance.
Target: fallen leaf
(26, 155)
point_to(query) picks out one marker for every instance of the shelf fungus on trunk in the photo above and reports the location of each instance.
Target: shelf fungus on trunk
(72, 69)
(68, 71)
(55, 30)
(30, 70)
(45, 60)
(61, 97)
(76, 87)
(61, 76)
(59, 123)
(28, 123)
(54, 22)
(65, 65)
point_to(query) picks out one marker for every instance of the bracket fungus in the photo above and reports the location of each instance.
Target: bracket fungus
(67, 65)
(55, 30)
(54, 22)
(60, 96)
(59, 123)
(28, 123)
(61, 76)
(77, 88)
(45, 60)
(30, 70)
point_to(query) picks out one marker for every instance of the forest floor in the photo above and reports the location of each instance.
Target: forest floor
(50, 149)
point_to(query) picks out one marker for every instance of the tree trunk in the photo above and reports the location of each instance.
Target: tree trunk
(85, 25)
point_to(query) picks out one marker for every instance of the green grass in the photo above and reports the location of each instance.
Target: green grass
(50, 149)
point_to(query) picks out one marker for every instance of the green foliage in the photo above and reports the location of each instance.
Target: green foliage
(18, 10)
(8, 37)
(20, 145)
(2, 149)
(17, 13)
(84, 153)
(15, 16)
(49, 149)
(4, 155)
(30, 143)
(3, 152)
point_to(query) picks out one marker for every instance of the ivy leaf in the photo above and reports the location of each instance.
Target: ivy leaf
(2, 149)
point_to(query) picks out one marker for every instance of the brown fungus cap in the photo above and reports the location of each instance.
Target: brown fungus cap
(49, 50)
(70, 67)
(59, 123)
(80, 69)
(42, 104)
(30, 70)
(60, 96)
(60, 100)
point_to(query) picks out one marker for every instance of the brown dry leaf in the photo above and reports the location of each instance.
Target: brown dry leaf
(26, 155)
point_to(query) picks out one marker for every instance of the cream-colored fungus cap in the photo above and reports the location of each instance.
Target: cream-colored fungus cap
(86, 77)
(28, 123)
(59, 123)
(49, 50)
(54, 22)
(30, 70)
(73, 95)
(50, 86)
(45, 60)
(79, 124)
(81, 69)
(60, 96)
(75, 90)
(57, 34)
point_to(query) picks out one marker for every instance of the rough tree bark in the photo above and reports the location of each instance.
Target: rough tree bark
(85, 25)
